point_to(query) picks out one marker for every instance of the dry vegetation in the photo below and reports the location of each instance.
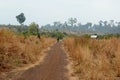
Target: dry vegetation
(95, 59)
(16, 51)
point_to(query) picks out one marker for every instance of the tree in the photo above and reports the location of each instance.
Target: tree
(21, 18)
(118, 23)
(38, 34)
(111, 23)
(33, 28)
(65, 24)
(57, 24)
(72, 21)
(105, 23)
(89, 25)
(100, 23)
(79, 24)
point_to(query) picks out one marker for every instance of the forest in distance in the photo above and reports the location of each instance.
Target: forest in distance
(73, 26)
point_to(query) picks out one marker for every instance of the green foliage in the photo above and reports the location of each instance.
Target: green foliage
(26, 34)
(108, 36)
(54, 34)
(33, 29)
(72, 21)
(86, 36)
(21, 18)
(58, 35)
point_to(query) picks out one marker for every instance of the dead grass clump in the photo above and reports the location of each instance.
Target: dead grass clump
(16, 51)
(95, 59)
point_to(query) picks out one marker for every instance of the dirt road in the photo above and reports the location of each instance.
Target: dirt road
(52, 68)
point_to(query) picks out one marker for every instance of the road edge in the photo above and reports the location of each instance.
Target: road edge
(71, 75)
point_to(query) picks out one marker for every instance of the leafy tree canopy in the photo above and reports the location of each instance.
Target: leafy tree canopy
(21, 18)
(33, 28)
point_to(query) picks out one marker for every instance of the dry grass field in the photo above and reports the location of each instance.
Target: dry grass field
(95, 59)
(16, 51)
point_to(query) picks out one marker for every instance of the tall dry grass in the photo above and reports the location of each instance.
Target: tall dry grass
(95, 59)
(16, 51)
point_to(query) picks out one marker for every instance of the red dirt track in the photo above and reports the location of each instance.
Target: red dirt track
(52, 68)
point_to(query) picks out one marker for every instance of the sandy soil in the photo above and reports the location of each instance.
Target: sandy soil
(54, 66)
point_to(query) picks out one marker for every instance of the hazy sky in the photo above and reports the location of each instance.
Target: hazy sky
(48, 11)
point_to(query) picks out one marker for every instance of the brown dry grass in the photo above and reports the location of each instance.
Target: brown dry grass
(95, 59)
(16, 51)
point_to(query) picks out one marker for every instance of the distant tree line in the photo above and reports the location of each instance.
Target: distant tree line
(73, 26)
(33, 29)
